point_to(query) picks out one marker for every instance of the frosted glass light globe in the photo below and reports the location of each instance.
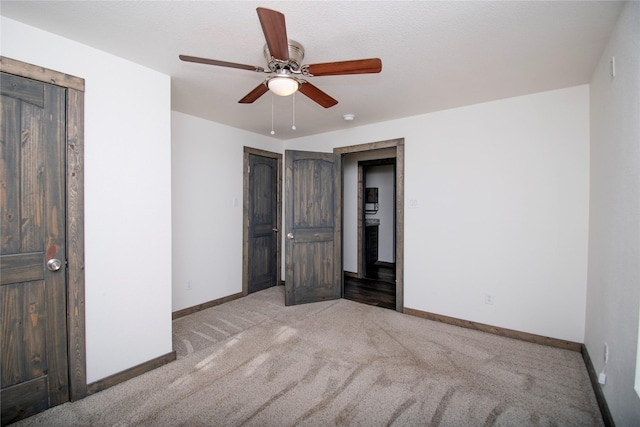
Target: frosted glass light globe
(283, 86)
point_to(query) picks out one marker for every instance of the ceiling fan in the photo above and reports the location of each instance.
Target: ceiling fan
(284, 57)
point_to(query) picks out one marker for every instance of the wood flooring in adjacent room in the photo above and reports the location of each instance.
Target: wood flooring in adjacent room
(379, 288)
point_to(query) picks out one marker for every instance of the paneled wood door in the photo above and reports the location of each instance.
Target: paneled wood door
(263, 239)
(34, 366)
(313, 227)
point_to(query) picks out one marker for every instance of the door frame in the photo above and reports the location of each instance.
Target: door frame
(74, 193)
(398, 144)
(245, 214)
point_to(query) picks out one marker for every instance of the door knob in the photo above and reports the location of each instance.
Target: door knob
(54, 264)
(290, 236)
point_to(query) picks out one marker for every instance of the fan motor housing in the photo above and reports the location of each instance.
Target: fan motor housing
(296, 54)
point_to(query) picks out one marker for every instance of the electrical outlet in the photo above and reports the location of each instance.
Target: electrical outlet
(606, 353)
(488, 299)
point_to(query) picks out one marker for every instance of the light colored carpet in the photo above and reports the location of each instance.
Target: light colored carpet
(255, 362)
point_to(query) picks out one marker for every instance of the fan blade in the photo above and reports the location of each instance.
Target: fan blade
(256, 93)
(356, 66)
(317, 95)
(275, 32)
(188, 58)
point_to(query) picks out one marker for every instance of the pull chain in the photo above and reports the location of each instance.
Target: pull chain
(273, 132)
(293, 127)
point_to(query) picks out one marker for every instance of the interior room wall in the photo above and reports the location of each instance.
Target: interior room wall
(496, 202)
(498, 194)
(382, 177)
(207, 167)
(127, 197)
(613, 293)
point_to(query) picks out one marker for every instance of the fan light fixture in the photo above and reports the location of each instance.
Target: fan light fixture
(283, 84)
(284, 58)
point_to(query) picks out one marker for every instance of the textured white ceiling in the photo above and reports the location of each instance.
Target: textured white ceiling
(435, 55)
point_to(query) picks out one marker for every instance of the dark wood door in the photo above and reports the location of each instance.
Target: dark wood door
(34, 371)
(263, 223)
(312, 225)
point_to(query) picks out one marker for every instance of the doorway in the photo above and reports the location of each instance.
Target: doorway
(376, 210)
(42, 256)
(375, 281)
(385, 286)
(262, 218)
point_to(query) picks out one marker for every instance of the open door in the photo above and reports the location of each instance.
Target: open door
(313, 256)
(33, 286)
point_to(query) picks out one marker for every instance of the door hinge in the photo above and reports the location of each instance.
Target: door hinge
(248, 169)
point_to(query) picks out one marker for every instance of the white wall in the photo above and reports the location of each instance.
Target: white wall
(207, 168)
(501, 191)
(614, 228)
(127, 197)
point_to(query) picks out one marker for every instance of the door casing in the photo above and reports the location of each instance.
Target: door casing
(74, 189)
(398, 145)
